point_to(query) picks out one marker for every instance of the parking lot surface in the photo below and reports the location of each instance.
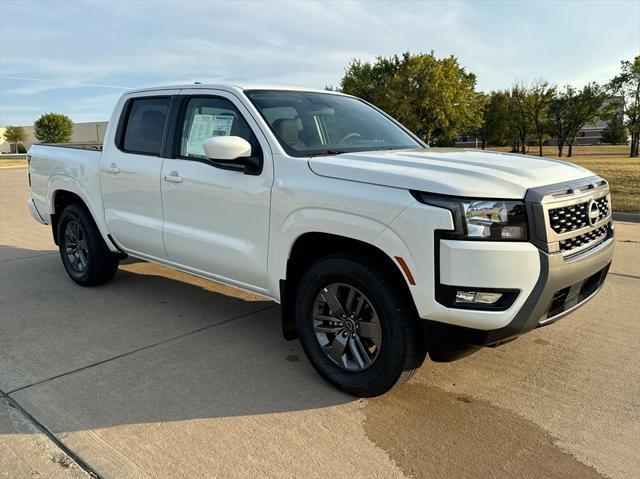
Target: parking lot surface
(159, 374)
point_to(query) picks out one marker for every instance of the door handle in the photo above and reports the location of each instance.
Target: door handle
(112, 168)
(173, 177)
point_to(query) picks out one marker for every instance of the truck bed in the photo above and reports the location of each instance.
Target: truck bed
(70, 167)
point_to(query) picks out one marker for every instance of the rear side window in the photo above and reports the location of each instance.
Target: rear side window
(145, 125)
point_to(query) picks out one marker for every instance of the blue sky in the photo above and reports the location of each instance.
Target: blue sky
(77, 57)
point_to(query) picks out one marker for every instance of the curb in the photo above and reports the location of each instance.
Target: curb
(627, 217)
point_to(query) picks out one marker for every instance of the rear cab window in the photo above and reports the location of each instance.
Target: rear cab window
(144, 125)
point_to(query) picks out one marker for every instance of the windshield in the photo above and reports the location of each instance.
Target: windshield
(309, 123)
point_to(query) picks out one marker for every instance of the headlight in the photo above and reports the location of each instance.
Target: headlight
(495, 219)
(480, 219)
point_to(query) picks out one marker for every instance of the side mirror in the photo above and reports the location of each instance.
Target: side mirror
(226, 148)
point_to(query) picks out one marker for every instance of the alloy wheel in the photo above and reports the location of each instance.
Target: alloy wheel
(347, 327)
(76, 248)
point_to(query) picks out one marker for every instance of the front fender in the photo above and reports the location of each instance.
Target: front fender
(319, 220)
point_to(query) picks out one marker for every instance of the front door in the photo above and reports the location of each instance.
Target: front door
(216, 219)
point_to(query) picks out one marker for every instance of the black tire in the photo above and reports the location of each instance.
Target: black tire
(402, 348)
(100, 264)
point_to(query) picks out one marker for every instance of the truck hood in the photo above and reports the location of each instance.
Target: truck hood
(449, 171)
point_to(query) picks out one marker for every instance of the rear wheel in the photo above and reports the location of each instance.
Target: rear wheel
(357, 325)
(84, 254)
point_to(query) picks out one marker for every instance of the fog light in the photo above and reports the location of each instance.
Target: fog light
(475, 297)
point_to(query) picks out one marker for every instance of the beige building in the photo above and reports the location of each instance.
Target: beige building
(91, 133)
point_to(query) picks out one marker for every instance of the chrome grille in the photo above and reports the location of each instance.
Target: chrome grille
(571, 217)
(603, 206)
(568, 218)
(585, 239)
(574, 217)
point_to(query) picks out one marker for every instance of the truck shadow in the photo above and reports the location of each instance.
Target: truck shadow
(154, 345)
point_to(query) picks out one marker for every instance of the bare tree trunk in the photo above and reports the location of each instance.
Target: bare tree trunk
(560, 147)
(570, 149)
(540, 146)
(484, 144)
(523, 146)
(634, 145)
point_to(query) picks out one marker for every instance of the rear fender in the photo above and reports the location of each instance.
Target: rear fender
(67, 183)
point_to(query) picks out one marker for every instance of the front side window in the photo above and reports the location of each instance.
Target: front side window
(145, 125)
(313, 123)
(208, 117)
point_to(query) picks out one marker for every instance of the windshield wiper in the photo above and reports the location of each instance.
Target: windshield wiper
(327, 153)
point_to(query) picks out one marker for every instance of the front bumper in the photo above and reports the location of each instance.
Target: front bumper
(563, 285)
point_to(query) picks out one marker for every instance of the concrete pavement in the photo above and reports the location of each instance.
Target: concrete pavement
(159, 374)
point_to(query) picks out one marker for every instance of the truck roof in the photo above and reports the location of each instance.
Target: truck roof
(228, 87)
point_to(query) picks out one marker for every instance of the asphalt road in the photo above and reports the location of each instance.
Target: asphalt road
(162, 375)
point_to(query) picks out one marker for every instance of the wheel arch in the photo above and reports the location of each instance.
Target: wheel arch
(310, 247)
(64, 191)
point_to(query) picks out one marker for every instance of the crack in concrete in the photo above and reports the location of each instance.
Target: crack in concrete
(624, 275)
(143, 348)
(66, 452)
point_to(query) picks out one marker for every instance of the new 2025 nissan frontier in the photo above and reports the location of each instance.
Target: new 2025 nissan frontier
(378, 248)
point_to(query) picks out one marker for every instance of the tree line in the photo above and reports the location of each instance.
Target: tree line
(437, 99)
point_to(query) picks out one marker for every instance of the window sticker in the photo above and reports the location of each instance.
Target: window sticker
(204, 127)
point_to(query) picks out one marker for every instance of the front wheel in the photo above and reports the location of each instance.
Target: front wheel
(84, 254)
(357, 325)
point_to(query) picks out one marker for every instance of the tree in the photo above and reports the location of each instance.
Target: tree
(368, 81)
(53, 128)
(433, 97)
(627, 85)
(528, 113)
(15, 134)
(561, 115)
(518, 116)
(496, 130)
(539, 98)
(572, 109)
(615, 133)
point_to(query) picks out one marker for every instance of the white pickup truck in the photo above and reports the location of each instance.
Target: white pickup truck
(379, 249)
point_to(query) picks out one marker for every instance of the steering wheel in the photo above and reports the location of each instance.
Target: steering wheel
(349, 137)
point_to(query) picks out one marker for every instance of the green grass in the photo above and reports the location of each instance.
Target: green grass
(610, 162)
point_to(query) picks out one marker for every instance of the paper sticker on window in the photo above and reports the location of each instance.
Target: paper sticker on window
(204, 127)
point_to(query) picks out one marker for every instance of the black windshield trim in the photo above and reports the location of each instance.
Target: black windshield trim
(330, 151)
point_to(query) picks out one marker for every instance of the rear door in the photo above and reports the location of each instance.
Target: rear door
(216, 218)
(131, 174)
